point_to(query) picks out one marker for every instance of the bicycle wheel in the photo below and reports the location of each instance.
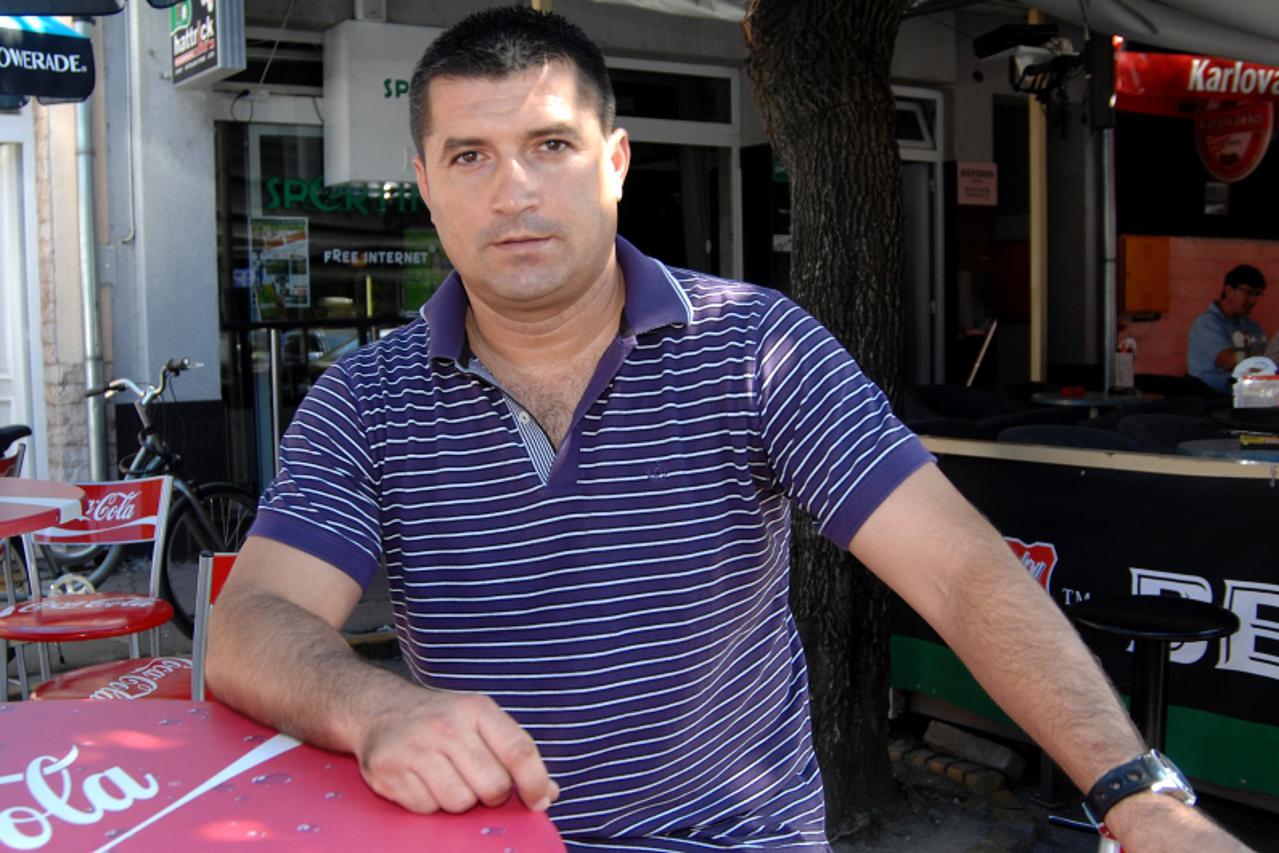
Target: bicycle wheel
(225, 514)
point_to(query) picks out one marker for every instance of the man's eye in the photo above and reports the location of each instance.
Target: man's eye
(555, 145)
(467, 157)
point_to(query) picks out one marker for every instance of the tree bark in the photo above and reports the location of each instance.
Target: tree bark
(821, 74)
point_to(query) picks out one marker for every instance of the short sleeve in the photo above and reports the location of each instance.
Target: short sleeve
(832, 439)
(1203, 343)
(323, 501)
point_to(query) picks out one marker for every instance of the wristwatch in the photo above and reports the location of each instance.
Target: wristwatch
(1150, 772)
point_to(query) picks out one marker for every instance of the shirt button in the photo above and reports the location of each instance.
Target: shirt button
(524, 418)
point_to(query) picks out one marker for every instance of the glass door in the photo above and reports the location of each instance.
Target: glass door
(308, 273)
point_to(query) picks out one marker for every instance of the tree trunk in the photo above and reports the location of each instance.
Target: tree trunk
(821, 74)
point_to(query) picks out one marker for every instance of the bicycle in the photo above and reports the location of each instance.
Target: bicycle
(202, 517)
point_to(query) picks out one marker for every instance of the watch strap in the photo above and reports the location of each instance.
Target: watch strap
(1131, 777)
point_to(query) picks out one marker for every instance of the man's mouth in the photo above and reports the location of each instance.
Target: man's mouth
(521, 242)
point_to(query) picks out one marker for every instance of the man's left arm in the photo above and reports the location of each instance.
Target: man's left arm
(938, 553)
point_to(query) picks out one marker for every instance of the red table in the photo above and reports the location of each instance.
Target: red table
(30, 505)
(171, 775)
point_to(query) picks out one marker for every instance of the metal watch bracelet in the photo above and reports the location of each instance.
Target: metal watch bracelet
(1151, 771)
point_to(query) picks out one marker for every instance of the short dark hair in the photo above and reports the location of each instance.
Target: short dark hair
(1246, 275)
(497, 42)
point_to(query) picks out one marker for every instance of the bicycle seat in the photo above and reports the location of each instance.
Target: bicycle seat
(10, 434)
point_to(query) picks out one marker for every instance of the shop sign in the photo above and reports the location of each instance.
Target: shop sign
(1232, 141)
(976, 184)
(1162, 82)
(45, 58)
(367, 66)
(207, 40)
(364, 199)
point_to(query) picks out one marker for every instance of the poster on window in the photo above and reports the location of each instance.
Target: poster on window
(279, 250)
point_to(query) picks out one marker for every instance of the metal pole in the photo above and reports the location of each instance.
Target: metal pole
(274, 343)
(1110, 295)
(1038, 142)
(95, 405)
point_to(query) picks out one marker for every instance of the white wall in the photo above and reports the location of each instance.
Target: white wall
(21, 350)
(158, 253)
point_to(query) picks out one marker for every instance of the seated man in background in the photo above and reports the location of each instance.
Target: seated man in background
(576, 468)
(1225, 335)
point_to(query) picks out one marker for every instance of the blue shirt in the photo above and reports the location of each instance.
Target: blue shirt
(1210, 333)
(625, 597)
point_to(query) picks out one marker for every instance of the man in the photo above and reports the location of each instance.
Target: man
(1225, 335)
(576, 469)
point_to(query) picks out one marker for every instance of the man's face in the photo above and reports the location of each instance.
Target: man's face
(1238, 300)
(522, 184)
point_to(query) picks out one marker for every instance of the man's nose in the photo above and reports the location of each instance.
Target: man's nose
(514, 188)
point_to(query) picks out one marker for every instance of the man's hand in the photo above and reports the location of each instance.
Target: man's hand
(431, 751)
(276, 653)
(1160, 824)
(928, 544)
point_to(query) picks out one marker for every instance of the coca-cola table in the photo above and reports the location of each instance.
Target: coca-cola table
(165, 775)
(30, 505)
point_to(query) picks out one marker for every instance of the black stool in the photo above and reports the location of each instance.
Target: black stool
(1153, 622)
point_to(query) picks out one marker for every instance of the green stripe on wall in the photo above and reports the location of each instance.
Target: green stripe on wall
(1226, 751)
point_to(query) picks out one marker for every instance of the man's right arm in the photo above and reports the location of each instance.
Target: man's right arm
(276, 652)
(1208, 344)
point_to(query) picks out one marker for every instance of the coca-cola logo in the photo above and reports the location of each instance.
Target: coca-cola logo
(63, 603)
(113, 506)
(54, 798)
(1039, 558)
(142, 681)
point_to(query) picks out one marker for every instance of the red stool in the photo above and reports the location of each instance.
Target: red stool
(114, 513)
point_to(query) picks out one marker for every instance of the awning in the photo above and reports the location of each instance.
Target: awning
(43, 58)
(1173, 83)
(724, 10)
(75, 8)
(1231, 103)
(1238, 29)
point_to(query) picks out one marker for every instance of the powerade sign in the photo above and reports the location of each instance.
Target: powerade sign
(45, 58)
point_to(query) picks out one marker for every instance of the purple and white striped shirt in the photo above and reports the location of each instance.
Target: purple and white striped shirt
(624, 598)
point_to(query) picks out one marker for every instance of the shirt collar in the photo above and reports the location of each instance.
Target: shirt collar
(653, 299)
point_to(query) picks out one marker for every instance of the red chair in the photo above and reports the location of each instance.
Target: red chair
(121, 512)
(10, 466)
(153, 677)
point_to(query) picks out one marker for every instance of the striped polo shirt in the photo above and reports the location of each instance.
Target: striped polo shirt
(624, 597)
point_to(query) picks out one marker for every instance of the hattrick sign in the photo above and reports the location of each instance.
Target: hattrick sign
(207, 39)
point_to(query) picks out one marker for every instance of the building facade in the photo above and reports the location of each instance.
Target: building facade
(266, 223)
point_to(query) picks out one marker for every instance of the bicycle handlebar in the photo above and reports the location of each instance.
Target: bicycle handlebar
(177, 365)
(146, 394)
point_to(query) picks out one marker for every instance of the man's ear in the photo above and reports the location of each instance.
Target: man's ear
(618, 152)
(423, 188)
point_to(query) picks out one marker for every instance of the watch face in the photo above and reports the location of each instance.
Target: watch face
(1171, 780)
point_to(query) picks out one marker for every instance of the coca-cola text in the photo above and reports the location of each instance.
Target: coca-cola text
(113, 506)
(50, 786)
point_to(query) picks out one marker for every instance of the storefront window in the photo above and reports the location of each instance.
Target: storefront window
(307, 272)
(296, 250)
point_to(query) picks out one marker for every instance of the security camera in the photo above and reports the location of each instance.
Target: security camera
(1038, 69)
(1039, 60)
